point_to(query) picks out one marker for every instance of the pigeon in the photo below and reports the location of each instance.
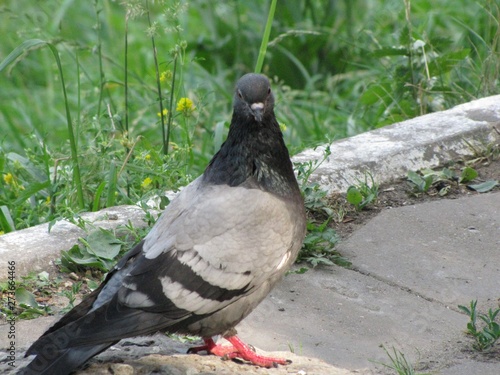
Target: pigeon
(214, 254)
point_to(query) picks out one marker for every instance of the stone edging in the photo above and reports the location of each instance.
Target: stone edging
(386, 153)
(423, 142)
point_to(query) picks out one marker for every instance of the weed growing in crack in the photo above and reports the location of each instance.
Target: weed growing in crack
(319, 244)
(441, 180)
(485, 337)
(399, 363)
(30, 292)
(362, 194)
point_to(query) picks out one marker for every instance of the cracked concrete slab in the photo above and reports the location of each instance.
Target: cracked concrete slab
(343, 317)
(412, 267)
(451, 255)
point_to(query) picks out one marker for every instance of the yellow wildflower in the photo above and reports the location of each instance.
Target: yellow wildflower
(165, 113)
(165, 75)
(186, 106)
(282, 127)
(8, 178)
(147, 157)
(125, 141)
(147, 181)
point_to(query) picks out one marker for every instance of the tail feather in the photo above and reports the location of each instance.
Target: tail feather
(50, 361)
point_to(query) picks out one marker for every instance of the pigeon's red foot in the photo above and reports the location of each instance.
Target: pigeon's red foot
(238, 349)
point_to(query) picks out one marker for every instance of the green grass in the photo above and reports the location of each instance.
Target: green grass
(486, 336)
(399, 364)
(338, 68)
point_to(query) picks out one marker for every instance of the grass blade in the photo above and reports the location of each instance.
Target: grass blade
(97, 197)
(13, 56)
(24, 47)
(110, 199)
(71, 135)
(265, 38)
(6, 222)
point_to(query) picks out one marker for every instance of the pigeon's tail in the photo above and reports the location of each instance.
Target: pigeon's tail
(51, 361)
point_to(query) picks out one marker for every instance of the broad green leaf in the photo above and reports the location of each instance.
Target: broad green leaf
(103, 244)
(445, 63)
(374, 93)
(422, 183)
(44, 275)
(468, 174)
(427, 172)
(354, 196)
(26, 298)
(404, 36)
(484, 187)
(448, 174)
(414, 177)
(76, 256)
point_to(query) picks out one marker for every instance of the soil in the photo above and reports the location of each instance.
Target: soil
(401, 193)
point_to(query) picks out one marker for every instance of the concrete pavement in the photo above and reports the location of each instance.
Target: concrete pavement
(412, 267)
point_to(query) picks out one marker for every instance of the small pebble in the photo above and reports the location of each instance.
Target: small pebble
(121, 369)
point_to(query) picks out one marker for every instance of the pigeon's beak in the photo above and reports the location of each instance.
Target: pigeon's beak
(257, 111)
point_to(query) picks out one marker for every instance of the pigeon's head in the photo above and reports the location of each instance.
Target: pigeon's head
(253, 98)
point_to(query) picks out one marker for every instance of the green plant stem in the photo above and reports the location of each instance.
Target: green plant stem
(410, 48)
(125, 79)
(170, 117)
(158, 84)
(265, 38)
(71, 135)
(99, 57)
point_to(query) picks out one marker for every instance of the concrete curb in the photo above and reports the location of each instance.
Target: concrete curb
(34, 249)
(423, 142)
(386, 153)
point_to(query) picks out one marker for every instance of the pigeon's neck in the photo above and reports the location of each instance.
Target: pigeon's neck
(254, 155)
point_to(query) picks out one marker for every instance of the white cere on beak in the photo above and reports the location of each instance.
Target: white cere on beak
(255, 106)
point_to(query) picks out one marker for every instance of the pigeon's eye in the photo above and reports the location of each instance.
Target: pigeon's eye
(269, 91)
(239, 94)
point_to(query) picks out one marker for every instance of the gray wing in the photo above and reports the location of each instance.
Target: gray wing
(212, 245)
(228, 241)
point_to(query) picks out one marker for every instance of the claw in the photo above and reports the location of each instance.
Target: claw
(238, 349)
